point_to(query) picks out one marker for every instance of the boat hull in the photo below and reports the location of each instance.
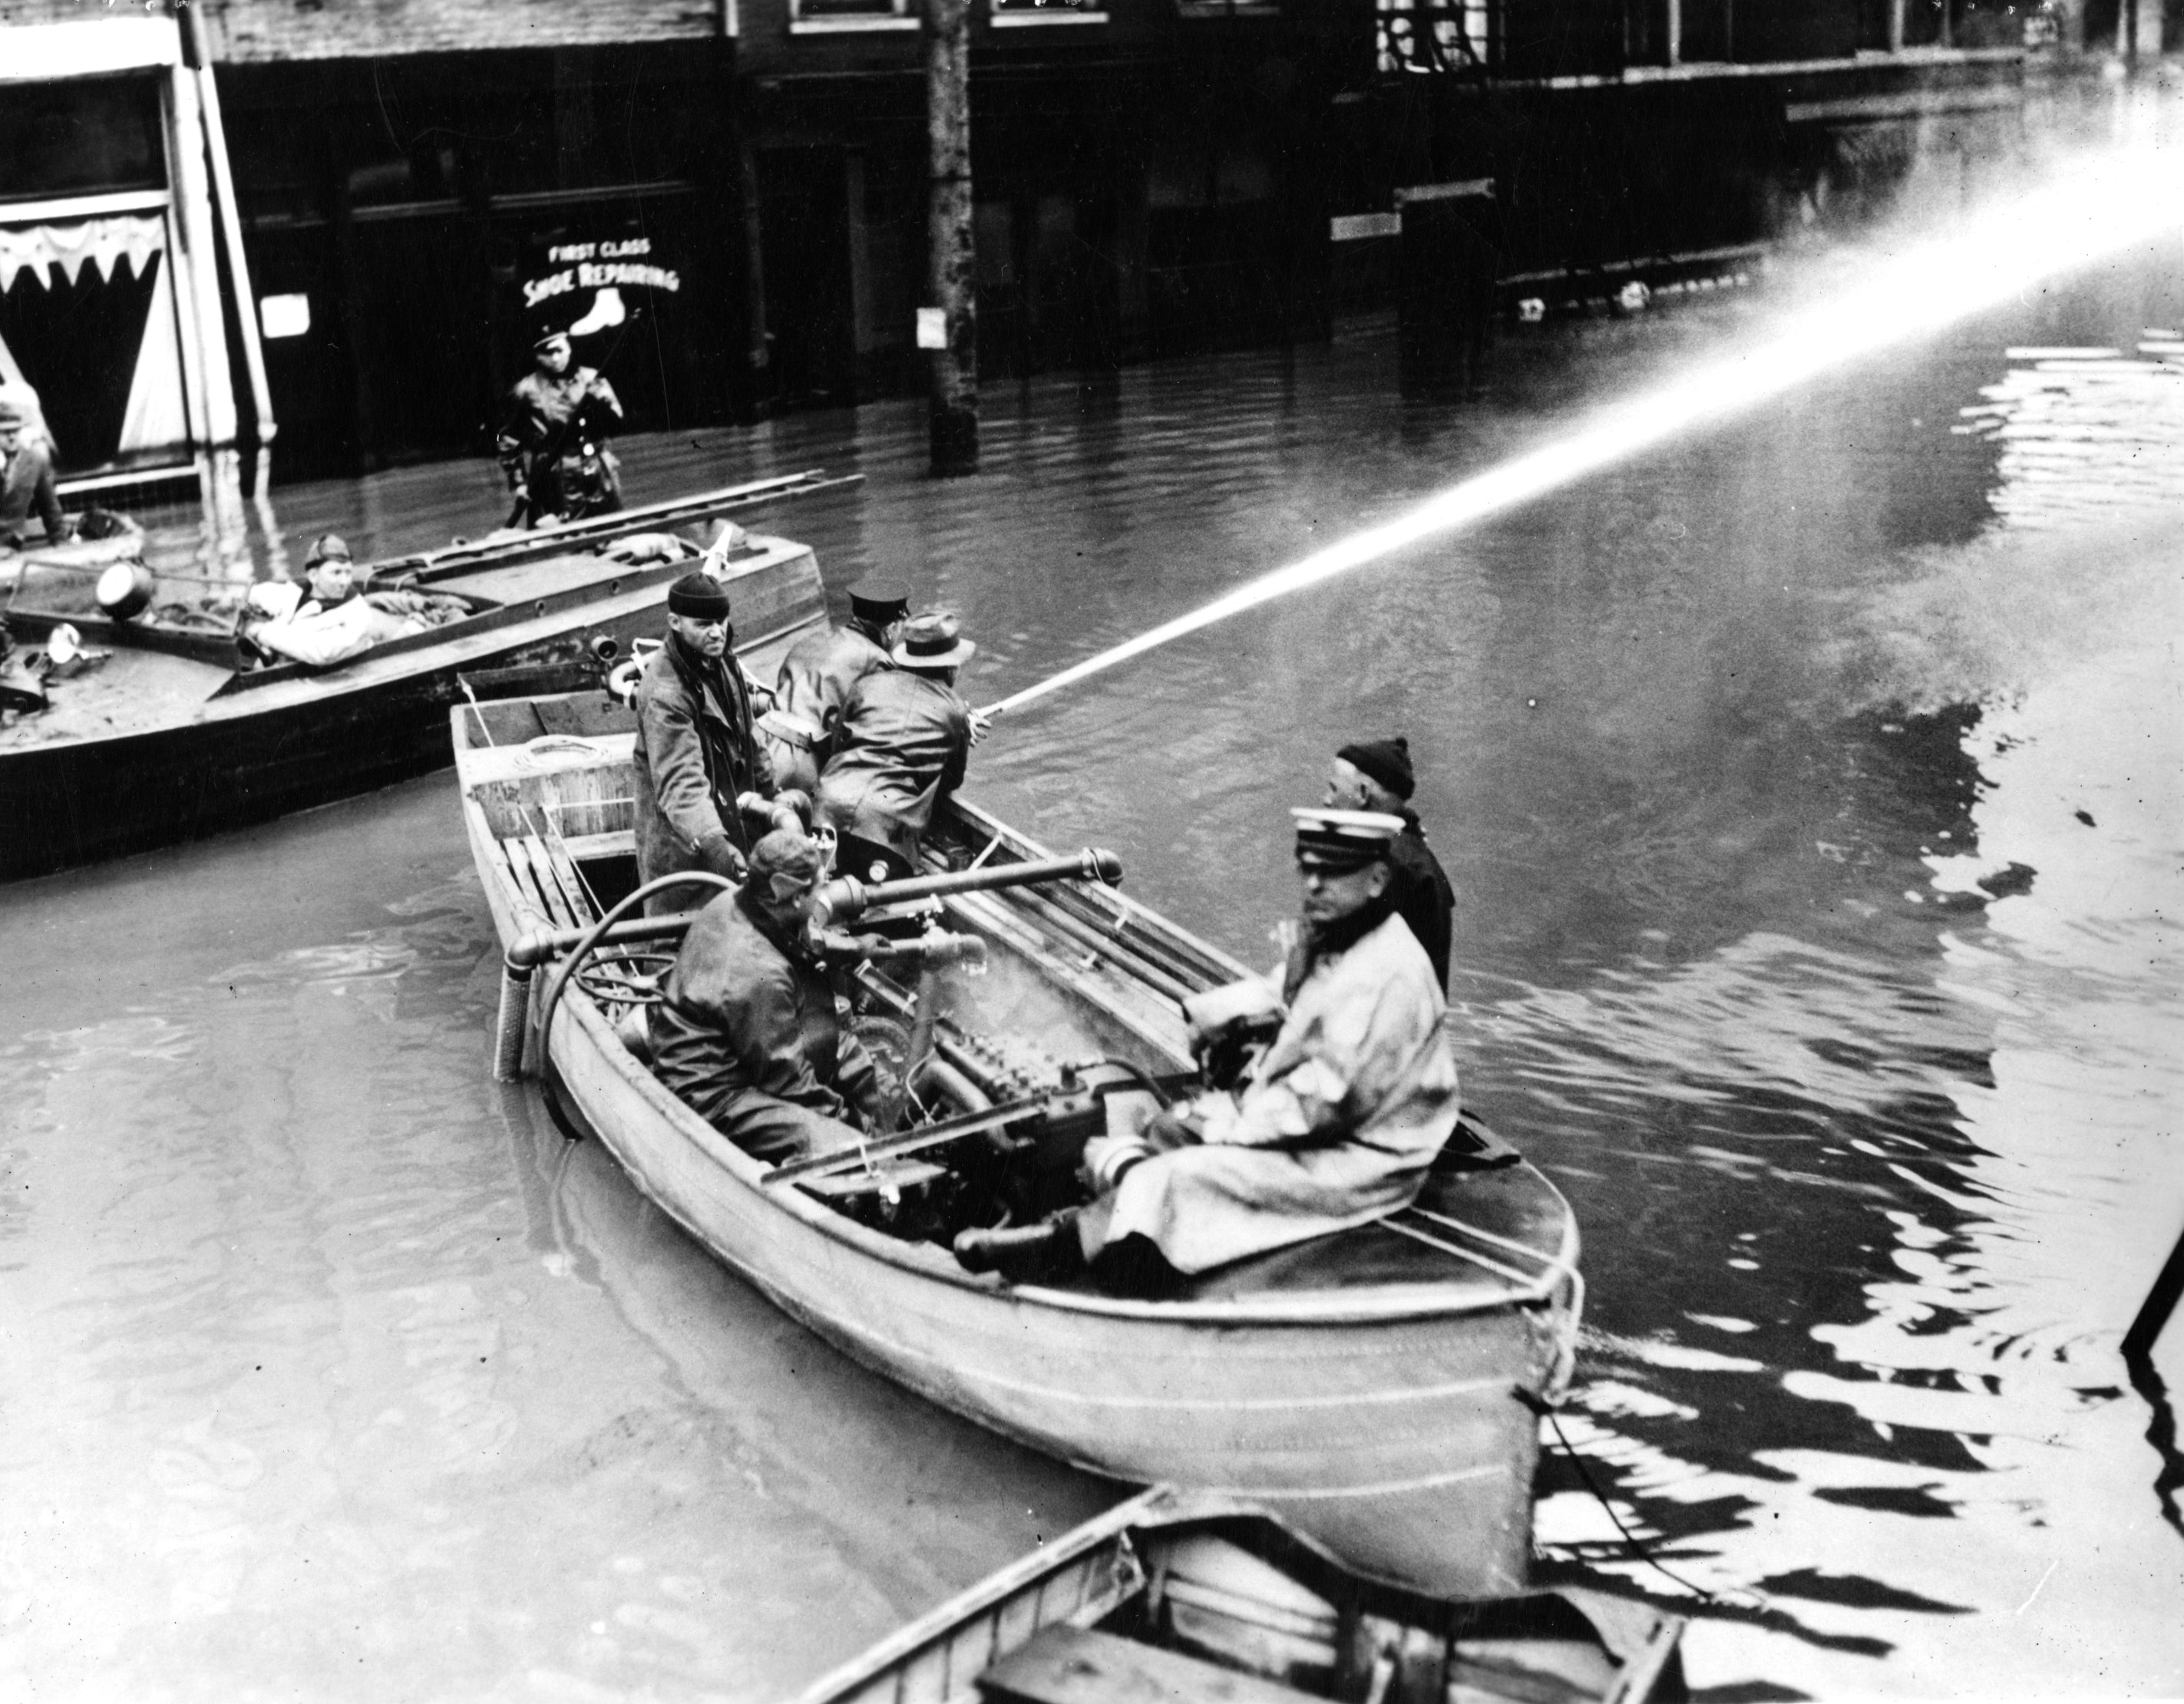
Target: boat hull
(1394, 1425)
(249, 756)
(1403, 1445)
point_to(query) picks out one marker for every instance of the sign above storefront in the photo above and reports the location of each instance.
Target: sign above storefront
(616, 264)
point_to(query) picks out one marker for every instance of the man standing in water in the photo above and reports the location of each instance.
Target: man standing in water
(819, 672)
(1336, 1124)
(698, 766)
(747, 1034)
(553, 411)
(1375, 775)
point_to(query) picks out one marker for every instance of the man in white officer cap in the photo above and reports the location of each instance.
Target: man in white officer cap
(1334, 1125)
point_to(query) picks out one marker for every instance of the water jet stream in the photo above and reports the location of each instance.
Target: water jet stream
(2119, 199)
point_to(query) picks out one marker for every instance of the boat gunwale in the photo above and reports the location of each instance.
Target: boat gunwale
(1160, 1506)
(1310, 1309)
(343, 679)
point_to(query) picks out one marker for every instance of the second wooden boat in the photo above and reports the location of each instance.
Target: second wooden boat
(171, 735)
(1177, 1595)
(1378, 1389)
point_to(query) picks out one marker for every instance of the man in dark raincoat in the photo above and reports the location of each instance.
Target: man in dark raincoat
(701, 771)
(748, 1035)
(1375, 775)
(904, 743)
(552, 411)
(817, 676)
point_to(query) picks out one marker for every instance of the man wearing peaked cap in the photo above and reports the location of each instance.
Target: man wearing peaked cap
(818, 674)
(552, 412)
(1375, 775)
(903, 744)
(702, 778)
(1335, 1124)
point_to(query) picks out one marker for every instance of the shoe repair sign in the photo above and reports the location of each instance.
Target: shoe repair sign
(603, 271)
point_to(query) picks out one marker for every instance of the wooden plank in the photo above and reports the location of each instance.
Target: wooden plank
(1069, 1665)
(620, 843)
(526, 882)
(550, 888)
(572, 886)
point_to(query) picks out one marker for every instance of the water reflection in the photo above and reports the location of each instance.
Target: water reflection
(1811, 795)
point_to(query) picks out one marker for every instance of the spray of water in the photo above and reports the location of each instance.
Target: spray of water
(2112, 203)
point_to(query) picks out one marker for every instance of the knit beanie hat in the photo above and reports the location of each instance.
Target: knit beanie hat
(699, 597)
(1388, 761)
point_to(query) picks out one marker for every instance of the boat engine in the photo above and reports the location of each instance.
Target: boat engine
(1019, 1170)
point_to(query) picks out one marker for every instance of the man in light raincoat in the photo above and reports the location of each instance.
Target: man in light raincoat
(1336, 1124)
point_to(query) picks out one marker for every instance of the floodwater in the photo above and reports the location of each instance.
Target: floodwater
(1811, 794)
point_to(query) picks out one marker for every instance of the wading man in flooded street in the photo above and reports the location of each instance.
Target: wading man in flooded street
(820, 672)
(699, 770)
(1336, 1124)
(904, 742)
(1375, 775)
(554, 413)
(748, 1035)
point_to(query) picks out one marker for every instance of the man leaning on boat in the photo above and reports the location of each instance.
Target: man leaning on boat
(748, 1035)
(1336, 1124)
(701, 771)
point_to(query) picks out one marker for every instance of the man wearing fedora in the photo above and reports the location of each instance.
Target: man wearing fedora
(1376, 775)
(818, 674)
(701, 771)
(901, 747)
(552, 411)
(1334, 1125)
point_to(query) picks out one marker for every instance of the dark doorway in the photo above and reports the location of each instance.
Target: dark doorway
(809, 305)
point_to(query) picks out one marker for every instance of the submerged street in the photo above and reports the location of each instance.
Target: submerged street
(1810, 790)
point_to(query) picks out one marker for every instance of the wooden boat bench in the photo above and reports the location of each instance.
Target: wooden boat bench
(1072, 1665)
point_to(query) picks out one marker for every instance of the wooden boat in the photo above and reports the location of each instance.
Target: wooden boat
(1377, 1388)
(1177, 1595)
(171, 735)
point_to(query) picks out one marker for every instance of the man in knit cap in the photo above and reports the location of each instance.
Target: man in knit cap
(1375, 775)
(747, 1034)
(702, 777)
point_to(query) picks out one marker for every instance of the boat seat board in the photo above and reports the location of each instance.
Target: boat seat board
(1070, 1665)
(1512, 1202)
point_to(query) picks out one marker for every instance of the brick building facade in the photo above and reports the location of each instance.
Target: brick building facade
(725, 198)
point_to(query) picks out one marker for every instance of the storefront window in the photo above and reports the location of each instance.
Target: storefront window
(1417, 35)
(87, 137)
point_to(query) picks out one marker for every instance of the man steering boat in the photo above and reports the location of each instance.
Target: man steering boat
(1337, 1124)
